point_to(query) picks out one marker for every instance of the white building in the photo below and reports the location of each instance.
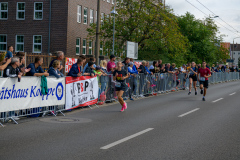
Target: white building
(235, 53)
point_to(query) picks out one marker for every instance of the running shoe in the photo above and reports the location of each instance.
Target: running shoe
(189, 93)
(195, 92)
(122, 108)
(201, 91)
(125, 106)
(203, 99)
(132, 99)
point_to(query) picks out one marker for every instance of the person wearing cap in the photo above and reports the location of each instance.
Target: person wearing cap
(12, 70)
(111, 66)
(92, 59)
(90, 70)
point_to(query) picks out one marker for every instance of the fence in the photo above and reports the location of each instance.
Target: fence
(28, 101)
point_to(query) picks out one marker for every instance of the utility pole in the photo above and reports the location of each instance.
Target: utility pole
(97, 34)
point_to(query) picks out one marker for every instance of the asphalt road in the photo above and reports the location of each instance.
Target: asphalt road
(166, 127)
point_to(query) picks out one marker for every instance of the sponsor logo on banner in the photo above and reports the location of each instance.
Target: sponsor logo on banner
(81, 91)
(26, 94)
(69, 63)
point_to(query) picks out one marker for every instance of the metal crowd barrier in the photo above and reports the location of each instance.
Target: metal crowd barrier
(137, 86)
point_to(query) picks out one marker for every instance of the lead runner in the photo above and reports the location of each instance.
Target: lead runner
(119, 76)
(204, 73)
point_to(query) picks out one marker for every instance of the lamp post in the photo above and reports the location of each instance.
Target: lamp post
(113, 12)
(97, 34)
(233, 48)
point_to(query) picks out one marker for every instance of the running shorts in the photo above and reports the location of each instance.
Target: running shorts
(121, 88)
(204, 83)
(193, 77)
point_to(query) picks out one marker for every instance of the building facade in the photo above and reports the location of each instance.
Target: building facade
(235, 53)
(46, 26)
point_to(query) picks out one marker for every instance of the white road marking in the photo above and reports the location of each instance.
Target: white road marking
(182, 115)
(232, 94)
(126, 139)
(217, 100)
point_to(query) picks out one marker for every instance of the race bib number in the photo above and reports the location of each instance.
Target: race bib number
(118, 84)
(202, 78)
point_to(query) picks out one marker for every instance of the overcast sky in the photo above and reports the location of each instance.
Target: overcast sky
(228, 10)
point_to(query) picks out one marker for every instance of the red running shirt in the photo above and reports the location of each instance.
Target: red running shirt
(204, 72)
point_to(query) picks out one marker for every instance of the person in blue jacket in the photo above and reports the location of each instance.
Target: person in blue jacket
(146, 67)
(75, 71)
(133, 73)
(53, 71)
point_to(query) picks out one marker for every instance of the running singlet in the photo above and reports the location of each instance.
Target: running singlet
(204, 72)
(191, 72)
(119, 77)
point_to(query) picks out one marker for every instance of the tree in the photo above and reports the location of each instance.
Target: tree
(154, 28)
(202, 36)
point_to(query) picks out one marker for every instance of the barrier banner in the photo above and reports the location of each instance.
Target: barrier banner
(27, 94)
(69, 63)
(81, 91)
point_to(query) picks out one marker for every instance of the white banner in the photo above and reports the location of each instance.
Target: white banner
(27, 94)
(81, 91)
(132, 50)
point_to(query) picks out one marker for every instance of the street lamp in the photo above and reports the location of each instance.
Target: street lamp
(233, 48)
(113, 12)
(214, 17)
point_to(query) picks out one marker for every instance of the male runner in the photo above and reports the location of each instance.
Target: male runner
(205, 73)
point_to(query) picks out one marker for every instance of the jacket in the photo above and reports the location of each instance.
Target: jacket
(74, 70)
(143, 69)
(55, 73)
(147, 70)
(89, 70)
(11, 72)
(44, 87)
(130, 70)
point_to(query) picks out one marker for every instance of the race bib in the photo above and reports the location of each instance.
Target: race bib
(202, 78)
(118, 84)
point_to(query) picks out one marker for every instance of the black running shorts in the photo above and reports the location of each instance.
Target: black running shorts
(204, 83)
(194, 78)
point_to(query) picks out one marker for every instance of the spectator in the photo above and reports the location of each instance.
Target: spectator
(125, 64)
(160, 63)
(142, 68)
(104, 77)
(5, 64)
(111, 66)
(134, 67)
(227, 69)
(91, 60)
(54, 70)
(9, 52)
(169, 69)
(12, 70)
(155, 68)
(36, 69)
(60, 57)
(218, 69)
(162, 70)
(22, 61)
(75, 71)
(146, 67)
(89, 70)
(84, 60)
(133, 73)
(213, 68)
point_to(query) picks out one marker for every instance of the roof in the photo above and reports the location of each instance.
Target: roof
(236, 47)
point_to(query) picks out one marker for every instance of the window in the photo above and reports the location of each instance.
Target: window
(38, 10)
(79, 14)
(3, 10)
(85, 15)
(102, 18)
(90, 47)
(20, 11)
(108, 1)
(3, 42)
(96, 17)
(113, 1)
(91, 16)
(78, 46)
(101, 48)
(37, 44)
(84, 46)
(19, 43)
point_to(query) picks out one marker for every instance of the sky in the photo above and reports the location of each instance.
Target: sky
(227, 10)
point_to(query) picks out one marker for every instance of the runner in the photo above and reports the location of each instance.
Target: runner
(119, 76)
(193, 78)
(205, 73)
